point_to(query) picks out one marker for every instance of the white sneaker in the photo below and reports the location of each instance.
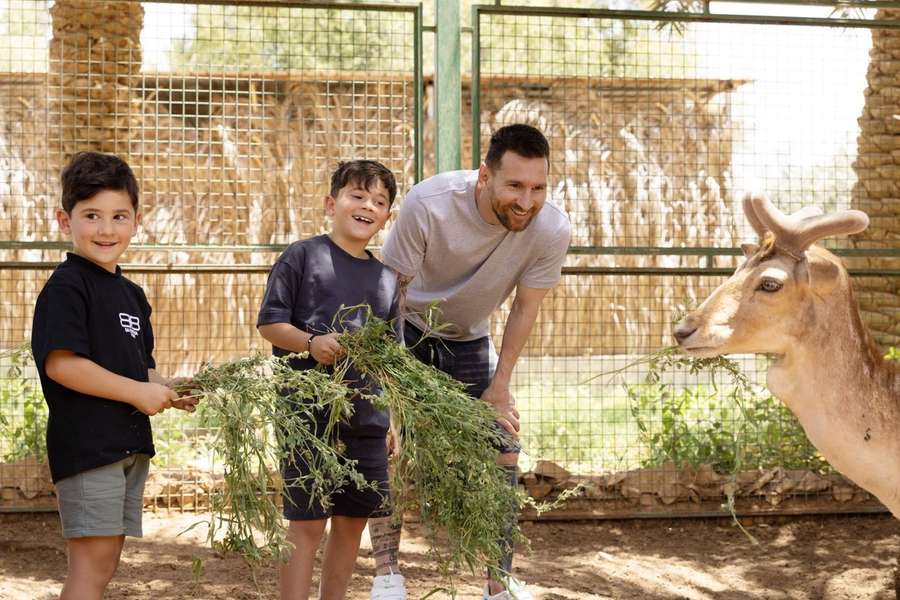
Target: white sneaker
(389, 587)
(515, 590)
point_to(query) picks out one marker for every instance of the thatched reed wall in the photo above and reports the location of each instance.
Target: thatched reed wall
(877, 191)
(231, 161)
(221, 162)
(635, 163)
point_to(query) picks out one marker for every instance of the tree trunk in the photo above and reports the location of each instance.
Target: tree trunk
(95, 60)
(877, 191)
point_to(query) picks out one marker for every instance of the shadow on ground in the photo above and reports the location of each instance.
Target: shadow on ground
(821, 558)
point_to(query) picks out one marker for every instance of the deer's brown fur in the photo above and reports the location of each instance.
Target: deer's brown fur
(794, 300)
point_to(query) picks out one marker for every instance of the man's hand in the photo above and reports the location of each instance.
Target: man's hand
(505, 405)
(153, 398)
(326, 349)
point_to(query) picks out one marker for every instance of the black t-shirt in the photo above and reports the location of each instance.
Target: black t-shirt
(104, 317)
(307, 286)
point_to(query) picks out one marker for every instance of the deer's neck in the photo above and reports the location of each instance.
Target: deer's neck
(833, 366)
(846, 399)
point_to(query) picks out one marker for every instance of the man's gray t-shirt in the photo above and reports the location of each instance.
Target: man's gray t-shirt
(469, 266)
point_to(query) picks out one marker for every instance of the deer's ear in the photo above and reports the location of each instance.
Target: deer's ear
(823, 274)
(749, 249)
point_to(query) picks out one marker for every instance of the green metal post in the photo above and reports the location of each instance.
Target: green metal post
(447, 86)
(419, 83)
(476, 87)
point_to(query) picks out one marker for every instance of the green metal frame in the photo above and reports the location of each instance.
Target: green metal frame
(447, 88)
(647, 15)
(418, 83)
(705, 17)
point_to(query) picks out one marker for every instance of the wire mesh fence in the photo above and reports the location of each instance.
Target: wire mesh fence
(657, 123)
(234, 117)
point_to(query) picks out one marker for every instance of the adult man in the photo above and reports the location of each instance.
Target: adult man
(467, 239)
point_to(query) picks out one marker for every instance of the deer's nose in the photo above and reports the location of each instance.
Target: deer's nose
(683, 331)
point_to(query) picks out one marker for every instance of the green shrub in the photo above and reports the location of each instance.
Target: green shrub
(731, 427)
(23, 420)
(701, 425)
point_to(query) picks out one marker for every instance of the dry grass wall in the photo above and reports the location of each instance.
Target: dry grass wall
(229, 161)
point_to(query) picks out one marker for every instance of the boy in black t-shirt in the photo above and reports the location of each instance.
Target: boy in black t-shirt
(307, 286)
(93, 347)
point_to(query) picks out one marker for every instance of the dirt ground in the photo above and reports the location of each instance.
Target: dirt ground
(831, 557)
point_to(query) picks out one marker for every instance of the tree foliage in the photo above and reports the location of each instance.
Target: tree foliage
(269, 38)
(24, 35)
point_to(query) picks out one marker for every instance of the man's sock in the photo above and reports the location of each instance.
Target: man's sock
(504, 567)
(385, 535)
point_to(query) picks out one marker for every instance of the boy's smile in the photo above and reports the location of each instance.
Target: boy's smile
(358, 214)
(101, 227)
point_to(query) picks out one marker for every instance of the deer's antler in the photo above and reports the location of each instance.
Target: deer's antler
(750, 213)
(796, 232)
(760, 228)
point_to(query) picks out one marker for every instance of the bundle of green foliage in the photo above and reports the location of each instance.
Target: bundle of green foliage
(260, 409)
(445, 467)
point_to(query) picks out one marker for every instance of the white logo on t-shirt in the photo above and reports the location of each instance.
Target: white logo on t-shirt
(131, 325)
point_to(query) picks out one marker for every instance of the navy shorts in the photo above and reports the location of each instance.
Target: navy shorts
(469, 362)
(372, 463)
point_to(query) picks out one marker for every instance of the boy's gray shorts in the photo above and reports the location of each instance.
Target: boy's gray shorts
(108, 500)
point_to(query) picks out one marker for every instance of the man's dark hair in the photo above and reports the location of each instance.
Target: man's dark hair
(89, 173)
(363, 173)
(524, 140)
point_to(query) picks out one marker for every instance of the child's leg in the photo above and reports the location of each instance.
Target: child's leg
(340, 556)
(385, 535)
(92, 563)
(295, 578)
(97, 509)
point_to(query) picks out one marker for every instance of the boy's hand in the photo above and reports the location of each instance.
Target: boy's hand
(187, 404)
(188, 397)
(326, 349)
(153, 398)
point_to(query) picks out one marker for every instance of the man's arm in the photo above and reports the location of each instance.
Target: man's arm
(403, 282)
(521, 319)
(84, 375)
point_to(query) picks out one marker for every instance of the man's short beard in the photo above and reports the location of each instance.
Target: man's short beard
(504, 220)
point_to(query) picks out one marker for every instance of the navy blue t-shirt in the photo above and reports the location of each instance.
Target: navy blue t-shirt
(104, 317)
(307, 286)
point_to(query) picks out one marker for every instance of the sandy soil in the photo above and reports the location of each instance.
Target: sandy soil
(833, 558)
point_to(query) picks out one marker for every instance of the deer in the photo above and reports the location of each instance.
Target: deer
(793, 299)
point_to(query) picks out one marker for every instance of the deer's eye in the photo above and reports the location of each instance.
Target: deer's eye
(769, 285)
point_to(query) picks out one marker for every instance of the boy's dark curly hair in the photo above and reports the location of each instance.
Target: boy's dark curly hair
(89, 173)
(363, 173)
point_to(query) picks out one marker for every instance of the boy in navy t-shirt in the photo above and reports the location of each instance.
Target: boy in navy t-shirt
(93, 348)
(307, 286)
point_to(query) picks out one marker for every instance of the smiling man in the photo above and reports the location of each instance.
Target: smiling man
(467, 239)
